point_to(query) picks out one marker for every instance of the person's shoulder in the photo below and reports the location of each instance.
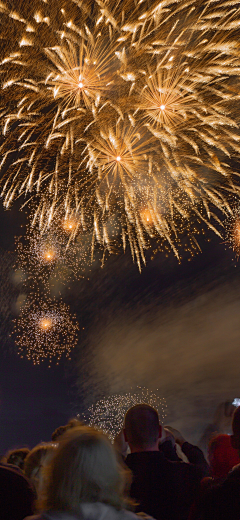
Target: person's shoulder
(129, 515)
(228, 488)
(233, 476)
(10, 467)
(141, 455)
(235, 471)
(55, 515)
(99, 510)
(34, 517)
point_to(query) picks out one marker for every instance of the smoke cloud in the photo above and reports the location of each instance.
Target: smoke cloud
(184, 341)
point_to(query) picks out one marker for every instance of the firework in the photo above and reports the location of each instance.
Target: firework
(232, 229)
(52, 252)
(45, 330)
(108, 414)
(122, 113)
(69, 224)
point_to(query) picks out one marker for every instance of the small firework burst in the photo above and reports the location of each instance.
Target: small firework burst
(45, 330)
(81, 72)
(53, 251)
(166, 98)
(108, 414)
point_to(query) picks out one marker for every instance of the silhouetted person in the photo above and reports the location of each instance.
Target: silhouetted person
(84, 480)
(72, 423)
(16, 494)
(163, 489)
(222, 501)
(16, 457)
(222, 456)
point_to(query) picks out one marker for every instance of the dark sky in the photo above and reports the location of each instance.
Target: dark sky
(174, 327)
(34, 400)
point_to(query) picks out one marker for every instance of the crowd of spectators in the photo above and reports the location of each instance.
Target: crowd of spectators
(149, 471)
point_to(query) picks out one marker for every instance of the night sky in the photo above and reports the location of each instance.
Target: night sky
(174, 327)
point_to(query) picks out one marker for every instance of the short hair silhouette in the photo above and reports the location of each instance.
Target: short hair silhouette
(142, 426)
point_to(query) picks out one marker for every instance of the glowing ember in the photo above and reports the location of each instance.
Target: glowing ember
(69, 225)
(146, 216)
(45, 323)
(49, 255)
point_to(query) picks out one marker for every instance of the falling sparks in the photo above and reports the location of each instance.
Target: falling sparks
(45, 330)
(232, 227)
(124, 113)
(236, 237)
(108, 413)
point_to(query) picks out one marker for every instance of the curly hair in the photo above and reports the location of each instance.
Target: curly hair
(16, 457)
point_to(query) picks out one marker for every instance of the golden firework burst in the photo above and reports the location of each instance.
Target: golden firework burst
(108, 413)
(166, 98)
(82, 72)
(110, 110)
(45, 330)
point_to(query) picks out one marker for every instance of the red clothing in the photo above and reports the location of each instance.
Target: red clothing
(222, 456)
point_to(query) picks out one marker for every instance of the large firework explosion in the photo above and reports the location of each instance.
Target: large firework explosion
(124, 112)
(45, 330)
(108, 414)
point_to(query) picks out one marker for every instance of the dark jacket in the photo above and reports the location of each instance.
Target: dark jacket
(16, 494)
(221, 501)
(55, 515)
(165, 489)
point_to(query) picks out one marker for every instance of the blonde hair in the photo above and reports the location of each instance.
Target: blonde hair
(83, 469)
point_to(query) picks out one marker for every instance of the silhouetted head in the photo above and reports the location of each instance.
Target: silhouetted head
(16, 457)
(72, 423)
(142, 429)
